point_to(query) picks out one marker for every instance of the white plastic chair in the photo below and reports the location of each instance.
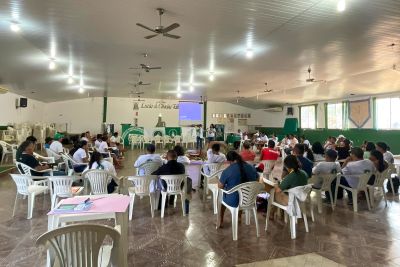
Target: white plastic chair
(69, 165)
(61, 187)
(247, 202)
(141, 187)
(268, 166)
(177, 139)
(148, 167)
(83, 245)
(26, 170)
(146, 140)
(158, 140)
(292, 219)
(46, 159)
(379, 183)
(212, 185)
(27, 187)
(361, 186)
(99, 179)
(174, 183)
(51, 153)
(327, 180)
(134, 140)
(208, 170)
(392, 173)
(7, 150)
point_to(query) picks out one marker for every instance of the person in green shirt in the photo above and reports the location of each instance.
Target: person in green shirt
(295, 177)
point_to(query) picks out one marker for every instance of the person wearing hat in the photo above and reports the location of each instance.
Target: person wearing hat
(328, 166)
(149, 157)
(56, 145)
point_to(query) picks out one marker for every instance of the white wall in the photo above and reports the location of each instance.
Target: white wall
(9, 114)
(80, 114)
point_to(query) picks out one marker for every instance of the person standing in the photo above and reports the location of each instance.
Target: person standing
(199, 137)
(211, 133)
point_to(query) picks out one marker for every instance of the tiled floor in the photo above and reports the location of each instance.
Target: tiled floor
(362, 239)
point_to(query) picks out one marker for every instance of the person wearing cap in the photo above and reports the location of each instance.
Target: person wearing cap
(352, 168)
(328, 166)
(56, 145)
(149, 157)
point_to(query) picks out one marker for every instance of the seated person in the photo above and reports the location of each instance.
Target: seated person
(150, 156)
(115, 143)
(99, 139)
(308, 153)
(172, 167)
(214, 155)
(318, 151)
(380, 164)
(56, 145)
(246, 153)
(344, 149)
(269, 153)
(21, 149)
(354, 166)
(292, 142)
(330, 143)
(181, 155)
(368, 147)
(328, 166)
(104, 150)
(47, 142)
(303, 140)
(384, 149)
(305, 164)
(295, 177)
(83, 137)
(237, 173)
(81, 156)
(98, 163)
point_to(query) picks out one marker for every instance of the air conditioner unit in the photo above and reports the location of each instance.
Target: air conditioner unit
(3, 90)
(274, 109)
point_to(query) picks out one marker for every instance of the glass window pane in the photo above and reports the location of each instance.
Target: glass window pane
(335, 116)
(383, 112)
(307, 117)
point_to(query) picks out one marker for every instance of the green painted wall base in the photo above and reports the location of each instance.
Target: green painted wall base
(391, 137)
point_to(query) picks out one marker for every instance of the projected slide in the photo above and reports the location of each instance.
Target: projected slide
(190, 111)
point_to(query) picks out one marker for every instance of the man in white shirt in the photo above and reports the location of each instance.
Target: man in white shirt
(98, 141)
(199, 137)
(56, 145)
(329, 166)
(213, 154)
(387, 155)
(149, 157)
(354, 166)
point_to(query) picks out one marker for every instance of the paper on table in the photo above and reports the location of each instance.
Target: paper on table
(100, 205)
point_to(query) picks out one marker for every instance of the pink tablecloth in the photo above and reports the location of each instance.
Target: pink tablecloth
(100, 205)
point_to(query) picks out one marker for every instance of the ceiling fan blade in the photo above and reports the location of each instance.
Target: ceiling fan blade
(154, 68)
(134, 68)
(145, 84)
(145, 27)
(150, 36)
(170, 27)
(171, 36)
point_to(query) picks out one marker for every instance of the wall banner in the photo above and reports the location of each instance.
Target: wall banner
(128, 129)
(359, 112)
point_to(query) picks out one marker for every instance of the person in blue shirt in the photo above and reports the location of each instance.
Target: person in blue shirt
(238, 172)
(306, 164)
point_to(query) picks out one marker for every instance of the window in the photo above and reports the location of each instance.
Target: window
(387, 112)
(308, 117)
(335, 116)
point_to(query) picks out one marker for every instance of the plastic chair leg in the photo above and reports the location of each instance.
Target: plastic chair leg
(247, 214)
(331, 197)
(151, 196)
(15, 204)
(305, 221)
(267, 215)
(293, 227)
(355, 201)
(235, 217)
(256, 221)
(371, 196)
(31, 204)
(391, 184)
(384, 195)
(163, 199)
(131, 206)
(367, 197)
(319, 201)
(183, 204)
(215, 200)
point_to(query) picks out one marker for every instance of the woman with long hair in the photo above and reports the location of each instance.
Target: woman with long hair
(98, 163)
(238, 172)
(380, 164)
(318, 151)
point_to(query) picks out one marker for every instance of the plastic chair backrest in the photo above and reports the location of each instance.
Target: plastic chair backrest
(211, 168)
(268, 165)
(51, 153)
(98, 180)
(149, 167)
(248, 193)
(362, 179)
(80, 244)
(22, 182)
(23, 168)
(380, 177)
(142, 183)
(173, 182)
(327, 180)
(62, 185)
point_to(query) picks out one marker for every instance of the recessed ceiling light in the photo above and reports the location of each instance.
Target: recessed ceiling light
(249, 53)
(70, 80)
(52, 64)
(211, 77)
(14, 26)
(341, 6)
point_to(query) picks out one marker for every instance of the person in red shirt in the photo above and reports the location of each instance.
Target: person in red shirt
(246, 153)
(269, 153)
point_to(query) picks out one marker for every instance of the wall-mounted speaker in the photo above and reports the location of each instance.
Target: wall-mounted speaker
(23, 102)
(289, 111)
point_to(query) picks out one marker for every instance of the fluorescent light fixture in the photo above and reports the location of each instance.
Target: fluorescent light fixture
(14, 26)
(70, 80)
(81, 90)
(191, 88)
(249, 53)
(178, 95)
(52, 64)
(211, 77)
(341, 6)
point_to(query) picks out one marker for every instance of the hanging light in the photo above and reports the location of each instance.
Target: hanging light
(81, 90)
(249, 53)
(191, 88)
(70, 80)
(178, 95)
(341, 6)
(52, 64)
(15, 27)
(211, 77)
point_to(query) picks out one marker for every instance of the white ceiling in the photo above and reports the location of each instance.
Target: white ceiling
(100, 39)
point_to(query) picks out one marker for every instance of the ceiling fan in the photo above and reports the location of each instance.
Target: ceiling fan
(139, 82)
(312, 80)
(238, 96)
(145, 67)
(161, 29)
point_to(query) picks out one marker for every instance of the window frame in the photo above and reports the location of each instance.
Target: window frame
(343, 115)
(315, 116)
(375, 112)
